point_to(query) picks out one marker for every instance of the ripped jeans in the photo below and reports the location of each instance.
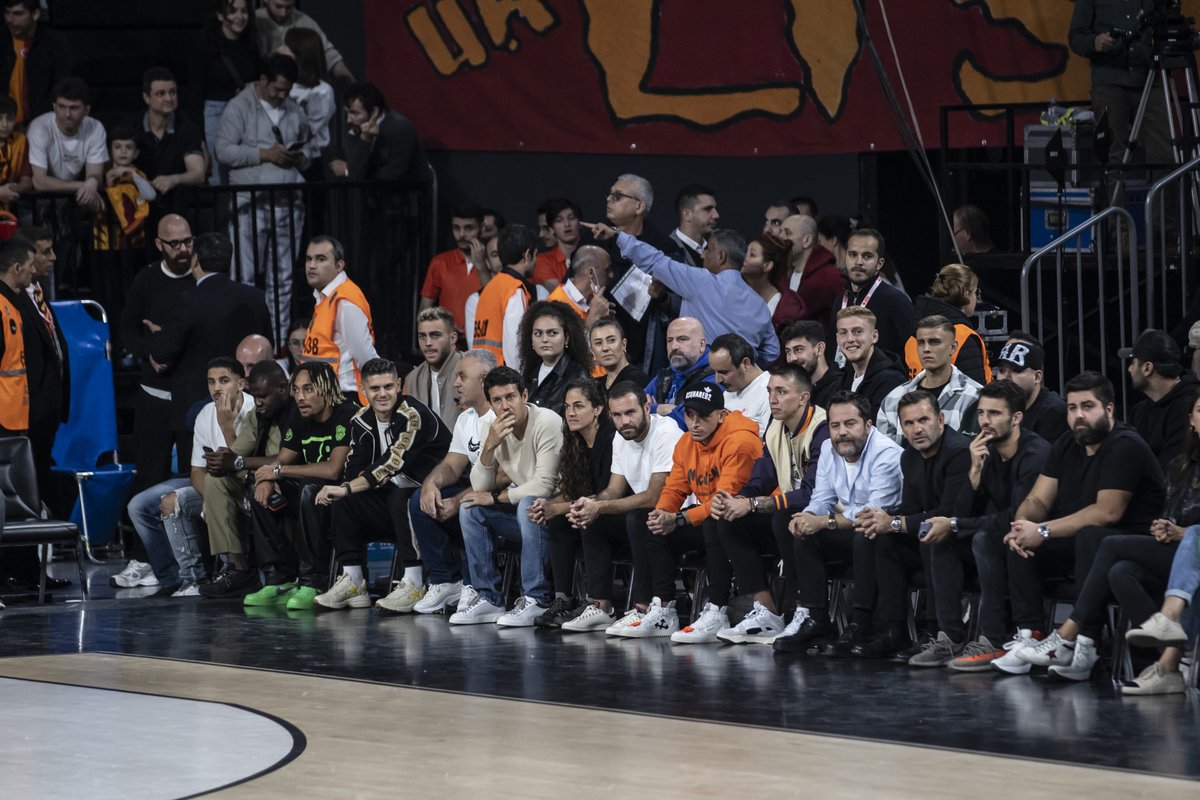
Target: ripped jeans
(171, 541)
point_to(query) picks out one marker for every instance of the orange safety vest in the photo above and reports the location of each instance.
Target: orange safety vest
(562, 297)
(489, 313)
(961, 334)
(318, 341)
(14, 383)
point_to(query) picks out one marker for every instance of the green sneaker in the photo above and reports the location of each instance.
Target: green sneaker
(275, 594)
(303, 598)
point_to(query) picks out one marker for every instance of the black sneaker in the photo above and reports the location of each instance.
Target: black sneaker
(231, 583)
(917, 647)
(854, 634)
(563, 609)
(798, 638)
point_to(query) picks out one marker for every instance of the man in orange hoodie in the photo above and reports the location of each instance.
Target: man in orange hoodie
(718, 454)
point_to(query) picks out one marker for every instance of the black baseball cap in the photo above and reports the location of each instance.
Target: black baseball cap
(1021, 355)
(1157, 348)
(704, 398)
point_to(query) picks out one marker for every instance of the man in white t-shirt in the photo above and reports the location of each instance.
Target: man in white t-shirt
(732, 361)
(68, 148)
(643, 449)
(433, 511)
(166, 515)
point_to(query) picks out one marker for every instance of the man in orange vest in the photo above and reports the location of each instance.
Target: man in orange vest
(16, 273)
(591, 272)
(340, 333)
(503, 301)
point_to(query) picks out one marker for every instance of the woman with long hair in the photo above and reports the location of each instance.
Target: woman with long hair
(584, 469)
(225, 62)
(953, 295)
(311, 92)
(554, 350)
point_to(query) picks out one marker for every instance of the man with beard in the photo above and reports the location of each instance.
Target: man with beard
(688, 354)
(1155, 370)
(858, 469)
(696, 209)
(865, 287)
(870, 372)
(1101, 481)
(432, 380)
(453, 276)
(803, 343)
(1021, 361)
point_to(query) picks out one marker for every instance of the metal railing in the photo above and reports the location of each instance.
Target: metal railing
(1168, 271)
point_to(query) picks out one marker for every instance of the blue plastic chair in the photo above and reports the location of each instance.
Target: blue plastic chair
(89, 436)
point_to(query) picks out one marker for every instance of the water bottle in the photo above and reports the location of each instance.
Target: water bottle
(1053, 114)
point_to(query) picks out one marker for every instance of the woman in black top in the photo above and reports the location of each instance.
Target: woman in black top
(584, 469)
(226, 61)
(554, 351)
(610, 350)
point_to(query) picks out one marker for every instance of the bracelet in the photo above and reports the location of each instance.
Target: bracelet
(346, 486)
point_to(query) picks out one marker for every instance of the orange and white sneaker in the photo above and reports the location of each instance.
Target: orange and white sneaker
(658, 620)
(977, 656)
(713, 619)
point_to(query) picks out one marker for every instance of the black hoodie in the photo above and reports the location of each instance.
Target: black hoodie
(883, 374)
(1164, 423)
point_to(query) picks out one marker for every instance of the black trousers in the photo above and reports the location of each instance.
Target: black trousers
(947, 564)
(813, 555)
(748, 539)
(1135, 569)
(991, 562)
(897, 557)
(563, 542)
(663, 553)
(375, 516)
(302, 555)
(1055, 558)
(609, 534)
(153, 439)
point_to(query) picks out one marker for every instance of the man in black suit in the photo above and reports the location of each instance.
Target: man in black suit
(696, 209)
(381, 144)
(215, 316)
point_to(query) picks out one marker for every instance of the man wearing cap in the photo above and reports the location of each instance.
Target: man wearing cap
(1021, 361)
(1156, 370)
(718, 454)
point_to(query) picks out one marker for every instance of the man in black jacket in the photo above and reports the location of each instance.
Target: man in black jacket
(45, 52)
(394, 444)
(381, 145)
(1155, 370)
(869, 372)
(865, 286)
(213, 319)
(803, 343)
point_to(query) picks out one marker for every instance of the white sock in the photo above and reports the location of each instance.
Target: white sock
(415, 575)
(355, 572)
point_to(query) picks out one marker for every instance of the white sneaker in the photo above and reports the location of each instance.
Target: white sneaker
(403, 597)
(659, 620)
(136, 573)
(475, 610)
(593, 618)
(345, 592)
(631, 616)
(704, 630)
(522, 615)
(188, 590)
(1011, 662)
(1049, 651)
(438, 596)
(1158, 631)
(1082, 661)
(760, 626)
(1155, 680)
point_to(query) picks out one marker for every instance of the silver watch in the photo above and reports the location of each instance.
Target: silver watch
(895, 524)
(1043, 531)
(239, 463)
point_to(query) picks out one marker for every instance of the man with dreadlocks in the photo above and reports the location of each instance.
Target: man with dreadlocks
(316, 444)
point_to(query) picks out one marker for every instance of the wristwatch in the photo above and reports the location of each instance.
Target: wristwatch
(496, 495)
(1043, 531)
(954, 525)
(239, 463)
(832, 524)
(895, 524)
(681, 520)
(276, 470)
(346, 486)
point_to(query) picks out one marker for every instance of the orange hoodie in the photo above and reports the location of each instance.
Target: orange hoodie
(704, 469)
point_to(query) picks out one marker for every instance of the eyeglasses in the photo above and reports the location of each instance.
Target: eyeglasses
(614, 196)
(175, 244)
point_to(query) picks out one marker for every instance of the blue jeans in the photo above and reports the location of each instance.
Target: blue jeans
(438, 542)
(480, 524)
(1185, 578)
(145, 512)
(212, 124)
(180, 528)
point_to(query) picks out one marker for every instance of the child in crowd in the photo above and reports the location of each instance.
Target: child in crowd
(129, 196)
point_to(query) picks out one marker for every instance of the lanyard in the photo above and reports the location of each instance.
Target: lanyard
(866, 300)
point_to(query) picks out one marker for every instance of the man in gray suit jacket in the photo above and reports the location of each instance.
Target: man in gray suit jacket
(432, 382)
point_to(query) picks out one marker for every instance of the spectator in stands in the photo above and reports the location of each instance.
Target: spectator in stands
(381, 144)
(1021, 361)
(129, 194)
(432, 381)
(956, 393)
(745, 383)
(641, 460)
(16, 175)
(934, 468)
(754, 523)
(805, 205)
(716, 295)
(493, 223)
(545, 232)
(224, 62)
(554, 352)
(804, 344)
(552, 266)
(36, 59)
(869, 371)
(583, 291)
(434, 510)
(972, 231)
(295, 344)
(229, 485)
(696, 211)
(833, 233)
(866, 287)
(311, 93)
(340, 333)
(953, 295)
(453, 275)
(765, 257)
(255, 348)
(16, 273)
(490, 265)
(1100, 481)
(1156, 370)
(170, 148)
(213, 317)
(503, 301)
(394, 444)
(776, 213)
(717, 454)
(688, 367)
(584, 470)
(523, 443)
(154, 299)
(276, 17)
(812, 272)
(609, 351)
(261, 141)
(858, 469)
(1162, 629)
(313, 454)
(67, 149)
(167, 515)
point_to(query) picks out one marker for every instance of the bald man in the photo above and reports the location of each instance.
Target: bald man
(687, 356)
(591, 273)
(814, 275)
(253, 349)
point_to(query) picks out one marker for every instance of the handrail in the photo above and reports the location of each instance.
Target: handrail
(1151, 196)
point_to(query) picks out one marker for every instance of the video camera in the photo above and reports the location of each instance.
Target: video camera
(1171, 33)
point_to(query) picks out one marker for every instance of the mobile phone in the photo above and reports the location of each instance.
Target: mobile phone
(277, 502)
(295, 148)
(923, 530)
(206, 448)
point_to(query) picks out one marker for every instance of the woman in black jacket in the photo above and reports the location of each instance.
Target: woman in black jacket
(554, 351)
(953, 295)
